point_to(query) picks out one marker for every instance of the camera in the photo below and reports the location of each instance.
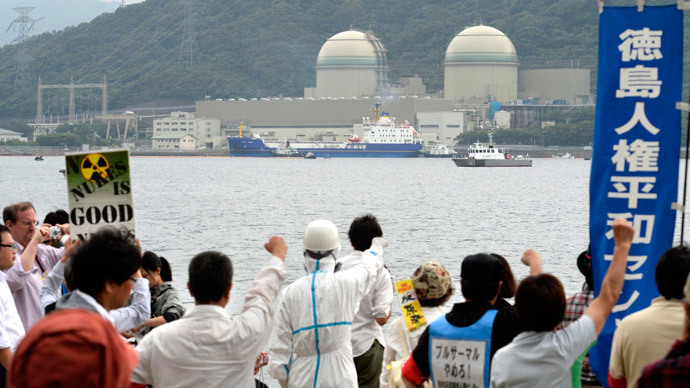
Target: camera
(55, 235)
(55, 232)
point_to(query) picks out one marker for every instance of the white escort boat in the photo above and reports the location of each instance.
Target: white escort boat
(438, 150)
(566, 155)
(487, 155)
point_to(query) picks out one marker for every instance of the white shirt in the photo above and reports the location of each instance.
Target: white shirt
(208, 347)
(376, 304)
(26, 285)
(542, 359)
(11, 328)
(394, 348)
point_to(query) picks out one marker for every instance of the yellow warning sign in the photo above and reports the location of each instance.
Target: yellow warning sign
(414, 317)
(94, 167)
(403, 286)
(411, 309)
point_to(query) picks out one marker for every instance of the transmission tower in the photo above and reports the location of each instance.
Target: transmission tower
(122, 4)
(23, 24)
(186, 59)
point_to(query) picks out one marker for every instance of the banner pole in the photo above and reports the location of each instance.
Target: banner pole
(685, 181)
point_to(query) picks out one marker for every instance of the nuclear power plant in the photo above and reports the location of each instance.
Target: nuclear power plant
(480, 63)
(482, 76)
(351, 63)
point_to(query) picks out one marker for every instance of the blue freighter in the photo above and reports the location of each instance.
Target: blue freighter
(382, 139)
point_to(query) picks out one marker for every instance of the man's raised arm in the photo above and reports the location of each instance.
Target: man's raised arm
(611, 287)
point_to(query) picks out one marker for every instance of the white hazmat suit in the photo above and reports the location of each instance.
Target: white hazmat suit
(311, 344)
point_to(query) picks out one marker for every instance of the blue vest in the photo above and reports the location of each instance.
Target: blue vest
(459, 356)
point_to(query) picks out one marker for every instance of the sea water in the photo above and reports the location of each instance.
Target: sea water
(429, 209)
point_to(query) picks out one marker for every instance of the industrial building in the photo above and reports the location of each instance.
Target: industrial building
(481, 77)
(204, 129)
(7, 135)
(568, 86)
(174, 141)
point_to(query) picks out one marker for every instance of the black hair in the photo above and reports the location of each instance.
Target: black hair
(50, 219)
(540, 302)
(479, 290)
(57, 217)
(4, 229)
(480, 275)
(672, 272)
(210, 274)
(151, 262)
(584, 264)
(508, 286)
(362, 230)
(108, 254)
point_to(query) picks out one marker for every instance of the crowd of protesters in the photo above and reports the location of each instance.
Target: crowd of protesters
(101, 313)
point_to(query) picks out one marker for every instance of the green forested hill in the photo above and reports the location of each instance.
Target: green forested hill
(268, 47)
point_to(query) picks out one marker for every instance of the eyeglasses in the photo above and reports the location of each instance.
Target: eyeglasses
(29, 223)
(8, 246)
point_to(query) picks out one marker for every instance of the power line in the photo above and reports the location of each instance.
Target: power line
(186, 58)
(123, 50)
(153, 39)
(22, 24)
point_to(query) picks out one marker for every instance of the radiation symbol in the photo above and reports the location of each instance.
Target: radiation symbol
(94, 167)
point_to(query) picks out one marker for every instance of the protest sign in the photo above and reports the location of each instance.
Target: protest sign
(409, 304)
(99, 191)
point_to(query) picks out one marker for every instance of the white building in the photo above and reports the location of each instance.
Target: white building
(174, 142)
(445, 126)
(481, 64)
(7, 135)
(206, 131)
(502, 119)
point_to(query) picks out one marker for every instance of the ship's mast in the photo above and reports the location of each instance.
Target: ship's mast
(377, 111)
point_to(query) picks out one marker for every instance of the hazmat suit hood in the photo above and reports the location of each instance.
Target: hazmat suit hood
(325, 264)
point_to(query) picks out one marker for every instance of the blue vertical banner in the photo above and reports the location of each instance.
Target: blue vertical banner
(636, 151)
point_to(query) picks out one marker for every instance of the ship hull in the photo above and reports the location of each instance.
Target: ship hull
(246, 146)
(428, 155)
(465, 162)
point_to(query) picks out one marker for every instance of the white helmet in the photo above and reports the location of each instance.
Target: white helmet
(321, 236)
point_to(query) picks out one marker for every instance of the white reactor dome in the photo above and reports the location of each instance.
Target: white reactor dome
(348, 48)
(481, 44)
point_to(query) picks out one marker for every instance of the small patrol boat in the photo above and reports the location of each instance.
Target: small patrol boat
(487, 155)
